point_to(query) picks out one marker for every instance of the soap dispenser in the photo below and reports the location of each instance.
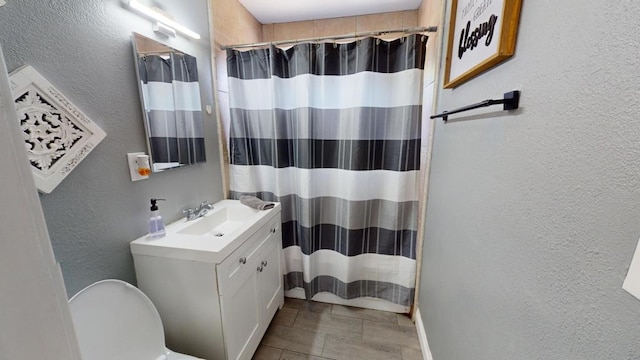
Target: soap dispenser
(156, 224)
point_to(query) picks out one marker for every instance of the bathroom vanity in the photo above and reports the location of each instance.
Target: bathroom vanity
(216, 281)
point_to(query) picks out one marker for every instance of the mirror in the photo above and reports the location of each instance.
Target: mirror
(170, 97)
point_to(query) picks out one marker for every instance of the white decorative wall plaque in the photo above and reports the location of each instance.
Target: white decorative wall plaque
(57, 135)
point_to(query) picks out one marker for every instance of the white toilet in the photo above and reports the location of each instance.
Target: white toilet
(115, 320)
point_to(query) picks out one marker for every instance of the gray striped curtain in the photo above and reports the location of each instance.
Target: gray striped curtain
(332, 131)
(171, 94)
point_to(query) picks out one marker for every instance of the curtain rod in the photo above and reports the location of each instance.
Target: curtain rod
(339, 37)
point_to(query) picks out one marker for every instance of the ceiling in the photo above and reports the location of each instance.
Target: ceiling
(277, 11)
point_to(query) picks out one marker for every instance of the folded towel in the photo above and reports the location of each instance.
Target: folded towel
(254, 202)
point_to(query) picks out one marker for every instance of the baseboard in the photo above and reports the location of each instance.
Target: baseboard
(422, 337)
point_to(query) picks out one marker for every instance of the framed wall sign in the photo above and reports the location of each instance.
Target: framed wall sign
(482, 33)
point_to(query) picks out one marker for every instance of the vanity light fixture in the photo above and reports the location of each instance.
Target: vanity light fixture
(164, 29)
(162, 19)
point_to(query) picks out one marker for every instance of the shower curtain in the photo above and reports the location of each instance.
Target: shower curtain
(332, 131)
(171, 94)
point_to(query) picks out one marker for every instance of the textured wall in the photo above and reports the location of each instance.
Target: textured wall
(533, 217)
(84, 48)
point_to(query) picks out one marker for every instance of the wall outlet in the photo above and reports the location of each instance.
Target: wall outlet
(133, 165)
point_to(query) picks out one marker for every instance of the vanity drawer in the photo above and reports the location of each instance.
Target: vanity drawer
(241, 262)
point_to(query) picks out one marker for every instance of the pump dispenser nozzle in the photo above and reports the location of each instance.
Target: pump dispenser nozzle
(154, 206)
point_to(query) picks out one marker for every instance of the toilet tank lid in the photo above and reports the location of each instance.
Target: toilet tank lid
(115, 320)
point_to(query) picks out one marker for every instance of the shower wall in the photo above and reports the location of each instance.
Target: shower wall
(349, 25)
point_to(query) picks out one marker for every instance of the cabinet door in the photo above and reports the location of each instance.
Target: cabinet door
(270, 291)
(241, 317)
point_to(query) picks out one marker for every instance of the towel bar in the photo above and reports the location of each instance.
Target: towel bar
(511, 101)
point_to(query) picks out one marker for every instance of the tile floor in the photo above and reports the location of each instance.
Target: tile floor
(318, 331)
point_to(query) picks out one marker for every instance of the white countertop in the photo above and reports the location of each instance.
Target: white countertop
(208, 247)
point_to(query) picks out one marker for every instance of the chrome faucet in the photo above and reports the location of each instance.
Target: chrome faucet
(199, 211)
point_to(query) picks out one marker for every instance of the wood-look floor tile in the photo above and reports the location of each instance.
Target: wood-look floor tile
(305, 305)
(324, 322)
(267, 353)
(285, 316)
(390, 333)
(290, 355)
(365, 314)
(404, 320)
(340, 348)
(411, 354)
(294, 339)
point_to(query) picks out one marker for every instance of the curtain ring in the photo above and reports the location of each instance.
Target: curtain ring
(335, 46)
(377, 41)
(402, 39)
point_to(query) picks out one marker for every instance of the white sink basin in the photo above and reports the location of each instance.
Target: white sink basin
(210, 238)
(218, 223)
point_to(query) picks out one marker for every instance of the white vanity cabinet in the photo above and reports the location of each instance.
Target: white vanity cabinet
(250, 286)
(217, 309)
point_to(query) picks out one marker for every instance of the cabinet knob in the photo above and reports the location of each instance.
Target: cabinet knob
(260, 268)
(264, 263)
(243, 260)
(273, 230)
